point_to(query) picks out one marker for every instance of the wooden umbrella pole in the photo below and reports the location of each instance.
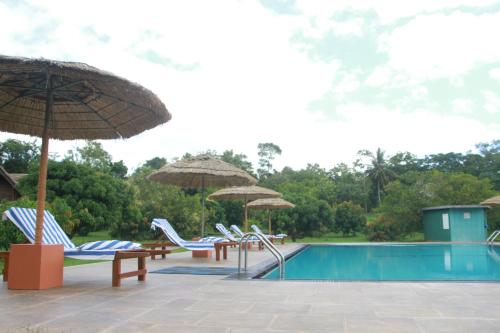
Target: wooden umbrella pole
(202, 206)
(44, 157)
(269, 220)
(246, 215)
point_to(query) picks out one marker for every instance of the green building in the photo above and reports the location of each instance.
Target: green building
(455, 223)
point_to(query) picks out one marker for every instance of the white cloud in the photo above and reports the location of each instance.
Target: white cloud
(251, 85)
(495, 73)
(419, 131)
(440, 45)
(387, 11)
(491, 102)
(419, 92)
(379, 77)
(462, 106)
(349, 83)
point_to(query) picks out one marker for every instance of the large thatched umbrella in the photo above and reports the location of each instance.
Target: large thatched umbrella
(69, 100)
(199, 172)
(247, 193)
(269, 204)
(493, 201)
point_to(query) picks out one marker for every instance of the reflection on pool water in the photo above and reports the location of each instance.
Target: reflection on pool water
(407, 262)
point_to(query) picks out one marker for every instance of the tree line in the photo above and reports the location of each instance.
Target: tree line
(88, 191)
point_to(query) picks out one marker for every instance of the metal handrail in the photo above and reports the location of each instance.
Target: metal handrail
(493, 236)
(270, 246)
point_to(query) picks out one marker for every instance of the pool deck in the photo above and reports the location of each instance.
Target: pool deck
(211, 303)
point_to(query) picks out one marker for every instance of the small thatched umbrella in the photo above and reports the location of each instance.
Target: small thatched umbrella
(199, 172)
(270, 203)
(493, 201)
(69, 100)
(247, 193)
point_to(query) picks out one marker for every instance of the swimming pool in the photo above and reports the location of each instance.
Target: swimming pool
(395, 262)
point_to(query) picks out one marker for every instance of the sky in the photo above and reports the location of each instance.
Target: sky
(320, 79)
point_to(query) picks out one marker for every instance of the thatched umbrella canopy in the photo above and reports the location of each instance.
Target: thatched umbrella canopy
(493, 201)
(199, 172)
(69, 100)
(269, 204)
(247, 193)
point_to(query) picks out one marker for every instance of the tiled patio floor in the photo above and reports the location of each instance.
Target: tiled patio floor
(194, 303)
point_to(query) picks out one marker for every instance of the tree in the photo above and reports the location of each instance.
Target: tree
(403, 162)
(349, 218)
(155, 163)
(413, 191)
(349, 184)
(267, 153)
(378, 171)
(449, 162)
(118, 169)
(238, 160)
(168, 201)
(491, 165)
(17, 156)
(97, 199)
(94, 155)
(312, 191)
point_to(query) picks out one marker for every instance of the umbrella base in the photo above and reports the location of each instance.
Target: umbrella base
(35, 267)
(202, 253)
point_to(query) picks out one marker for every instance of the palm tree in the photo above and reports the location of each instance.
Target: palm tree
(378, 170)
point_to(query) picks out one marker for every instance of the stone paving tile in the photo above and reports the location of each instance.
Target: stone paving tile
(405, 311)
(130, 327)
(279, 308)
(255, 321)
(171, 316)
(351, 310)
(187, 329)
(385, 325)
(468, 309)
(188, 303)
(456, 325)
(331, 323)
(269, 330)
(227, 306)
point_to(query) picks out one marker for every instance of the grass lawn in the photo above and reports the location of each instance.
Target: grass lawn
(358, 238)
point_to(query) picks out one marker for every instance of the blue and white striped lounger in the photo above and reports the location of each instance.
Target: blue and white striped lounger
(223, 230)
(25, 220)
(206, 243)
(240, 233)
(257, 230)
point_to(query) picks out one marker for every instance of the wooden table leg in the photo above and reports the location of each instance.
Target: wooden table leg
(224, 252)
(141, 265)
(117, 268)
(217, 251)
(163, 255)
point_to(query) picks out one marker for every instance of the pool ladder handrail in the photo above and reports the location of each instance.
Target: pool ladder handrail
(270, 246)
(493, 236)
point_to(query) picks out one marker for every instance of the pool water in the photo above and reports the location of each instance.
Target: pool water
(426, 262)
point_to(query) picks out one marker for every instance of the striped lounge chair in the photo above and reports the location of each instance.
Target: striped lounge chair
(240, 234)
(223, 230)
(203, 244)
(25, 220)
(272, 238)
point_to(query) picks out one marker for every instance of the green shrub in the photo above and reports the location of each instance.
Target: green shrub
(349, 218)
(97, 200)
(382, 229)
(9, 233)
